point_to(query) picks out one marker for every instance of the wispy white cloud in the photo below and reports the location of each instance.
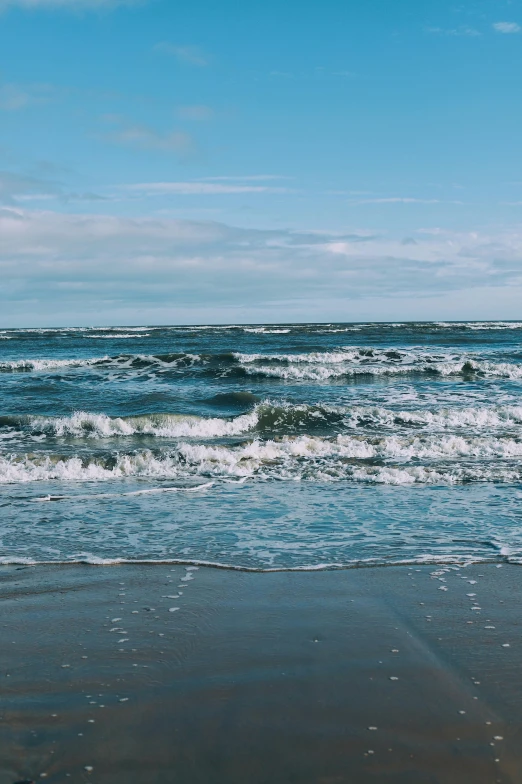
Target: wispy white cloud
(464, 31)
(142, 136)
(319, 73)
(189, 55)
(245, 178)
(507, 27)
(401, 200)
(201, 188)
(14, 97)
(197, 112)
(16, 188)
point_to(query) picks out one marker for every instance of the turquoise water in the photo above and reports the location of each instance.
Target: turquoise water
(278, 446)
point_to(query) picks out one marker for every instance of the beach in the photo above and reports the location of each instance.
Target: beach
(280, 554)
(167, 673)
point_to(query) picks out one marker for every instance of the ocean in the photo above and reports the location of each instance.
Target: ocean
(291, 446)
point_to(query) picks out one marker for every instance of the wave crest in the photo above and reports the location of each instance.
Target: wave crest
(266, 417)
(322, 366)
(384, 459)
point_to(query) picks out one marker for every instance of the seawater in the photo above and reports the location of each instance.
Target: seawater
(264, 447)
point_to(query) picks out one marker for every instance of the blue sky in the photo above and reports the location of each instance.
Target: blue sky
(170, 162)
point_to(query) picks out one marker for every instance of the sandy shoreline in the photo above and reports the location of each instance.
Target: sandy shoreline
(145, 674)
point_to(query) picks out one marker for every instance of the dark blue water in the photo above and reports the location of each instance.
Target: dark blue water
(266, 447)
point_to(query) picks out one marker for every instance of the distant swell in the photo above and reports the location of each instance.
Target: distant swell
(322, 366)
(122, 361)
(308, 366)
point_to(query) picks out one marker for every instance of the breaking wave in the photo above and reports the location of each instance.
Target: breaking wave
(122, 361)
(266, 331)
(48, 364)
(267, 416)
(321, 366)
(479, 325)
(120, 336)
(83, 424)
(384, 459)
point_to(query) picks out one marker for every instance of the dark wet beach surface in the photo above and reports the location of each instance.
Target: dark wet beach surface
(401, 674)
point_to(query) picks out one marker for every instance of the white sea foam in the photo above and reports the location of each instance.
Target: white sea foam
(313, 357)
(480, 325)
(148, 491)
(302, 457)
(32, 468)
(249, 458)
(218, 327)
(119, 336)
(126, 329)
(266, 331)
(51, 330)
(424, 559)
(436, 419)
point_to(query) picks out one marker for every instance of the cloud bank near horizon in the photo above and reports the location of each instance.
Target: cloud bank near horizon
(98, 268)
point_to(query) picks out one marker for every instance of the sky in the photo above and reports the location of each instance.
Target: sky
(215, 161)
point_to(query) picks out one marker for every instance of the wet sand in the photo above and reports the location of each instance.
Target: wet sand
(386, 675)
